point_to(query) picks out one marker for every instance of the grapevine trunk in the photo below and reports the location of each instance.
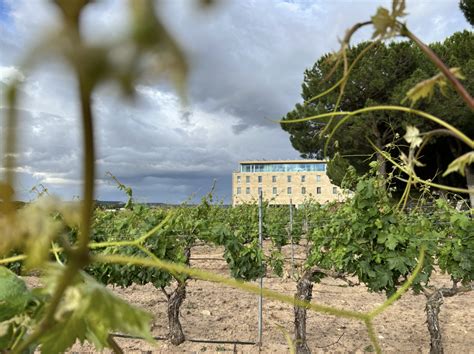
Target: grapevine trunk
(304, 291)
(176, 335)
(433, 305)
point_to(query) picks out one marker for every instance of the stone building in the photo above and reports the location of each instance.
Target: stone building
(283, 181)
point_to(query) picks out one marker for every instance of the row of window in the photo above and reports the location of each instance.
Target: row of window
(282, 167)
(274, 179)
(289, 190)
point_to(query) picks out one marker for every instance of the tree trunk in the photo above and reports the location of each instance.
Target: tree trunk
(175, 334)
(304, 291)
(380, 159)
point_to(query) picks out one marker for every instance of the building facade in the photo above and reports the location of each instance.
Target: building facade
(283, 181)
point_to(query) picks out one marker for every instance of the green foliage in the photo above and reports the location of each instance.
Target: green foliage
(245, 260)
(276, 262)
(90, 312)
(276, 225)
(14, 295)
(467, 7)
(456, 249)
(384, 75)
(337, 168)
(371, 239)
(129, 225)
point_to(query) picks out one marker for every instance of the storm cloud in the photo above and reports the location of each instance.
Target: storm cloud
(247, 60)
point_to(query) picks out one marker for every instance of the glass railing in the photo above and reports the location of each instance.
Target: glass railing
(304, 167)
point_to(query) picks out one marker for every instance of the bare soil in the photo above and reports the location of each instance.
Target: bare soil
(216, 312)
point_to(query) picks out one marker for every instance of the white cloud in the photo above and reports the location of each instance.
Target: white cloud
(10, 74)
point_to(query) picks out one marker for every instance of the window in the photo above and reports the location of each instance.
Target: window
(334, 190)
(247, 179)
(259, 190)
(303, 178)
(259, 179)
(318, 178)
(284, 167)
(274, 179)
(303, 190)
(288, 190)
(247, 190)
(238, 179)
(318, 190)
(239, 190)
(288, 179)
(274, 190)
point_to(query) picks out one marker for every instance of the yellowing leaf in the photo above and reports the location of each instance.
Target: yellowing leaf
(412, 136)
(426, 87)
(381, 21)
(386, 23)
(398, 8)
(459, 165)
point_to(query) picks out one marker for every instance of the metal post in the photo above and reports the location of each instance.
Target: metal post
(260, 299)
(291, 240)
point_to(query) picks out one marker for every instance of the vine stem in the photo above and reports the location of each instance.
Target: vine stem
(418, 179)
(10, 144)
(461, 90)
(372, 336)
(88, 160)
(463, 137)
(344, 77)
(208, 276)
(79, 257)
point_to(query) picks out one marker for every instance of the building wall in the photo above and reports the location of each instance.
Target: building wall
(310, 183)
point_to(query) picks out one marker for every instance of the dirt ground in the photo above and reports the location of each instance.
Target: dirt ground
(215, 312)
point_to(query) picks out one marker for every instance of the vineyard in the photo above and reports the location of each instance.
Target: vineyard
(303, 248)
(389, 269)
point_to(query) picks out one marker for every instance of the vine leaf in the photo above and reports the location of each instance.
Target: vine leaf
(14, 294)
(385, 23)
(460, 164)
(89, 311)
(426, 87)
(412, 136)
(398, 8)
(382, 21)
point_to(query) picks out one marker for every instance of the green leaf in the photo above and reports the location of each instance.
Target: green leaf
(89, 311)
(14, 295)
(391, 242)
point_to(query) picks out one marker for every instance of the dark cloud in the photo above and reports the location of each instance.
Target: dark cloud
(247, 60)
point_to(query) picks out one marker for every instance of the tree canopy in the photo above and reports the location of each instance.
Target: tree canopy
(383, 76)
(467, 7)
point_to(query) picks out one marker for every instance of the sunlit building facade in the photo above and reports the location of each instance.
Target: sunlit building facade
(282, 182)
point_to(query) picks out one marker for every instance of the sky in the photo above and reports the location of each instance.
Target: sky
(247, 60)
